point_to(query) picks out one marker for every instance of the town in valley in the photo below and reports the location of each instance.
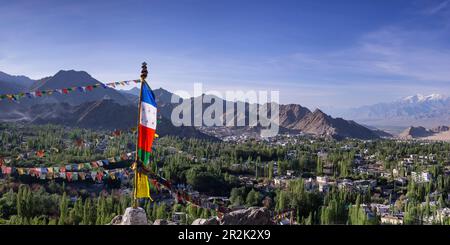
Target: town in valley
(295, 178)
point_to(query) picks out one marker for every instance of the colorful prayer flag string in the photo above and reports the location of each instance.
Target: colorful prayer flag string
(94, 171)
(82, 89)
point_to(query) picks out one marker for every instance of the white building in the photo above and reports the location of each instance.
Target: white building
(421, 177)
(322, 179)
(392, 219)
(280, 181)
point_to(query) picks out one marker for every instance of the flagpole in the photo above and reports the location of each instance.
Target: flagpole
(144, 73)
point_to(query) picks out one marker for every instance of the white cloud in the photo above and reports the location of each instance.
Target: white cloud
(436, 8)
(391, 52)
(413, 54)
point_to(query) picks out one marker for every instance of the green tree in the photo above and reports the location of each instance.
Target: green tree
(253, 198)
(63, 209)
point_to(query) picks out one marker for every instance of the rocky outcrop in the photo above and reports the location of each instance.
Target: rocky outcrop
(415, 132)
(199, 222)
(291, 114)
(211, 221)
(132, 216)
(249, 216)
(441, 133)
(321, 124)
(116, 220)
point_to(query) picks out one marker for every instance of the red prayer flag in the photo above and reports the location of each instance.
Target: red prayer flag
(40, 153)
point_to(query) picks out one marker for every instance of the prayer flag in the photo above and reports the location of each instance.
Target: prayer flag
(147, 123)
(40, 153)
(143, 188)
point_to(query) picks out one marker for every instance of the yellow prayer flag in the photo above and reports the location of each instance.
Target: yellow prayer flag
(143, 188)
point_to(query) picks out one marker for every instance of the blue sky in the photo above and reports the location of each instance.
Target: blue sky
(316, 53)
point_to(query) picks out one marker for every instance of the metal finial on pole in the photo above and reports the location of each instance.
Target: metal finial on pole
(144, 71)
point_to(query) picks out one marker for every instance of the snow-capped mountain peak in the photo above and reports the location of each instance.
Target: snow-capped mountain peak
(418, 110)
(419, 98)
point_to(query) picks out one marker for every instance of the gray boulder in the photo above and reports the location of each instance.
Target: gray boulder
(132, 216)
(199, 222)
(249, 216)
(116, 220)
(211, 221)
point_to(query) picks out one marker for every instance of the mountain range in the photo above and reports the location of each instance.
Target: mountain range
(100, 109)
(71, 78)
(292, 117)
(14, 84)
(97, 109)
(416, 110)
